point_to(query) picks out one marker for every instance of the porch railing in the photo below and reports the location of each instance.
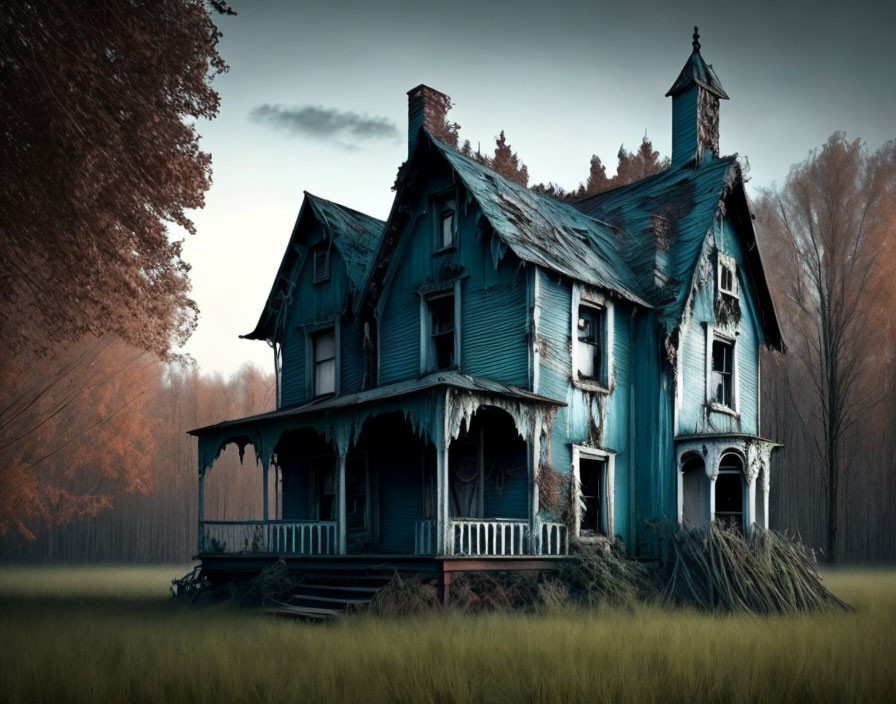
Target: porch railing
(281, 537)
(477, 537)
(425, 537)
(552, 539)
(470, 536)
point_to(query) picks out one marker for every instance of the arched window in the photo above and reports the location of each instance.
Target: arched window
(730, 492)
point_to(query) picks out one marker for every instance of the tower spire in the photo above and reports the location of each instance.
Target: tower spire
(696, 39)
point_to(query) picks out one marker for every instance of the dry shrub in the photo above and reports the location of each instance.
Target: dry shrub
(553, 490)
(474, 592)
(405, 597)
(553, 595)
(719, 569)
(595, 575)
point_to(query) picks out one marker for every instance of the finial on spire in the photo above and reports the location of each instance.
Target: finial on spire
(696, 39)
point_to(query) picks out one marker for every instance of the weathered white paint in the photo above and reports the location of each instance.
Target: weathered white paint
(608, 484)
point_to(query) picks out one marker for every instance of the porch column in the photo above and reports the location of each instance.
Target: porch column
(340, 505)
(534, 464)
(264, 489)
(680, 478)
(199, 535)
(441, 443)
(712, 498)
(750, 508)
(766, 485)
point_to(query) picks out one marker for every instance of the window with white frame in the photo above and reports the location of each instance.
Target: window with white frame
(323, 344)
(590, 342)
(593, 472)
(727, 275)
(722, 373)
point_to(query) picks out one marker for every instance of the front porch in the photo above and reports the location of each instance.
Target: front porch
(440, 468)
(468, 537)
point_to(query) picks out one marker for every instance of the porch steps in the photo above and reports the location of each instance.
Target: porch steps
(330, 593)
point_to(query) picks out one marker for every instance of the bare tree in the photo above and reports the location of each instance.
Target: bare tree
(832, 215)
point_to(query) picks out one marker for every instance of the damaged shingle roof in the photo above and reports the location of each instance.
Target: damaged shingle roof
(687, 199)
(354, 234)
(545, 231)
(683, 202)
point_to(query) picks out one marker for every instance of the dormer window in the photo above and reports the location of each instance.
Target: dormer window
(727, 275)
(321, 257)
(445, 224)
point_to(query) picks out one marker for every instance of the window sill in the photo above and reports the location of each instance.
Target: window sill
(590, 385)
(719, 408)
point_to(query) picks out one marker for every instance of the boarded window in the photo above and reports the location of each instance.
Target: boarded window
(722, 371)
(324, 363)
(590, 341)
(591, 483)
(321, 264)
(443, 350)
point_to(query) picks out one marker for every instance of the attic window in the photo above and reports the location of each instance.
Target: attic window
(321, 264)
(445, 222)
(727, 275)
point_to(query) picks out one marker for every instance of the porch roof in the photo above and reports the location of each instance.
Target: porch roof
(452, 379)
(341, 418)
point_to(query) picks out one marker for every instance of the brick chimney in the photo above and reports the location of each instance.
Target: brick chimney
(427, 108)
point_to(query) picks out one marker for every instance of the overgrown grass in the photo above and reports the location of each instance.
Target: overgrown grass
(111, 635)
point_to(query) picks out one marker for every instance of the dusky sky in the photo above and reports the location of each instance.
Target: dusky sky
(316, 100)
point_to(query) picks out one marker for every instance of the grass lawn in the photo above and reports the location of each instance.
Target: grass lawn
(110, 634)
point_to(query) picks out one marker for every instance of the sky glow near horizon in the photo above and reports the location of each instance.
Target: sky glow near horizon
(315, 100)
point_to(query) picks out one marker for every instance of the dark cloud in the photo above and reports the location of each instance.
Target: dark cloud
(342, 128)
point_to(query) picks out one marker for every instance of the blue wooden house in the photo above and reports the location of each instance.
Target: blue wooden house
(491, 373)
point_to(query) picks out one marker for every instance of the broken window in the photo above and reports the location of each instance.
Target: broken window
(446, 223)
(727, 275)
(324, 348)
(722, 369)
(442, 342)
(321, 264)
(590, 341)
(591, 482)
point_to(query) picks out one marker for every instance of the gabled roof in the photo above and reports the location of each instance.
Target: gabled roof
(355, 236)
(537, 228)
(697, 72)
(683, 201)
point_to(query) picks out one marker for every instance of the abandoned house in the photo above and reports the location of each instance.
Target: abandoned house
(493, 373)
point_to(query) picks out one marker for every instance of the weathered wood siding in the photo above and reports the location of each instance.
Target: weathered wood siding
(313, 305)
(694, 415)
(595, 419)
(493, 300)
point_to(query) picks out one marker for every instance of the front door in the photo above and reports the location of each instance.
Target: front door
(467, 480)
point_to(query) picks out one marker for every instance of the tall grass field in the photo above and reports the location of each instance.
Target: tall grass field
(111, 634)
